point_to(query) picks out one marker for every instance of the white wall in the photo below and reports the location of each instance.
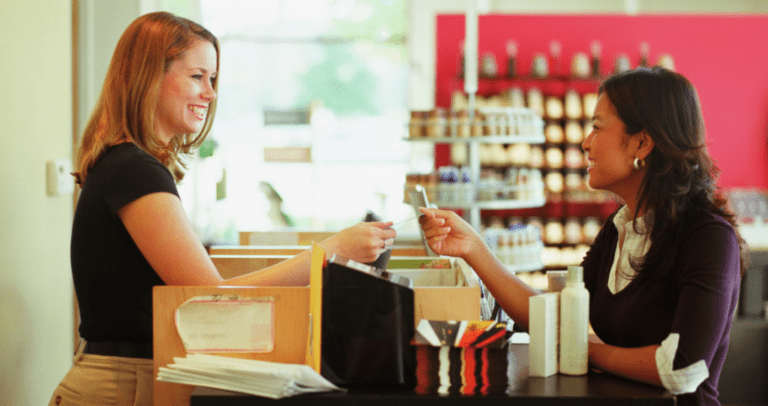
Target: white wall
(36, 305)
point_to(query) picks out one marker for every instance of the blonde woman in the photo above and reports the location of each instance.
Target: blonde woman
(130, 232)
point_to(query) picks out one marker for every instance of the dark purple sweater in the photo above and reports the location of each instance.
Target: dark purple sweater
(697, 301)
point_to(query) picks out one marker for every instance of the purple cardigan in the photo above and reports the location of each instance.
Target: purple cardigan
(697, 301)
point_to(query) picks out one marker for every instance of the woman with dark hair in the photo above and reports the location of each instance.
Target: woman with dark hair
(664, 271)
(130, 232)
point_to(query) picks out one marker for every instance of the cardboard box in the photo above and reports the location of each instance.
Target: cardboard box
(216, 250)
(444, 289)
(291, 326)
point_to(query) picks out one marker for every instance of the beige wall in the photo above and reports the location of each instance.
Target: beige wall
(36, 126)
(36, 326)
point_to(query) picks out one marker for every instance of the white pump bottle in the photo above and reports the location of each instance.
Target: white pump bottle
(574, 324)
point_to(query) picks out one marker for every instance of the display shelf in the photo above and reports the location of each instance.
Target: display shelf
(530, 78)
(515, 139)
(505, 204)
(501, 124)
(496, 204)
(518, 248)
(533, 267)
(552, 85)
(436, 128)
(566, 197)
(473, 128)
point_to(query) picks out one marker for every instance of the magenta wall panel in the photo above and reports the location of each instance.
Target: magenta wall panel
(725, 56)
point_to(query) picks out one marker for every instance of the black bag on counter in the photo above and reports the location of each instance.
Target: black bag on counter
(368, 325)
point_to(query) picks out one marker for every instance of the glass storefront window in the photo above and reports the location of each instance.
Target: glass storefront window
(313, 102)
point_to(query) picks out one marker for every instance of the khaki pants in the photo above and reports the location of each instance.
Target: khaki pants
(101, 381)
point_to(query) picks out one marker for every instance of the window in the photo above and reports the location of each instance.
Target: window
(322, 82)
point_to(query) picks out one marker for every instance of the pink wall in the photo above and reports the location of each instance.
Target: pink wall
(726, 58)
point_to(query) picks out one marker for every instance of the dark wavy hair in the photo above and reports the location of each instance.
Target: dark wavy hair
(680, 182)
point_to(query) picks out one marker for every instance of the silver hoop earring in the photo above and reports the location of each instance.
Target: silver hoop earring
(638, 164)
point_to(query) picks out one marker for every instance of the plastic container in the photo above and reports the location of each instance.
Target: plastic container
(574, 324)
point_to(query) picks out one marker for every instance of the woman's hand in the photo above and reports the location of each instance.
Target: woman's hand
(447, 233)
(363, 242)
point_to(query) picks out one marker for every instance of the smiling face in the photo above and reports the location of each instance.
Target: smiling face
(187, 91)
(611, 151)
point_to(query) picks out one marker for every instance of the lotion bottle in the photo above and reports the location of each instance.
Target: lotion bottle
(574, 324)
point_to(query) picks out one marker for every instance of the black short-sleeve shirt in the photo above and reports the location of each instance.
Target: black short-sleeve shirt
(113, 281)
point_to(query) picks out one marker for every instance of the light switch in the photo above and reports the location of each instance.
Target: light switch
(59, 179)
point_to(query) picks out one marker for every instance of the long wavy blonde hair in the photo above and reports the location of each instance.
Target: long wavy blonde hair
(126, 108)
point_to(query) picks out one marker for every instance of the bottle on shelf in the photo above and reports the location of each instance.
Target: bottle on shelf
(446, 189)
(536, 159)
(455, 187)
(504, 248)
(666, 61)
(476, 124)
(645, 50)
(621, 64)
(555, 51)
(437, 123)
(590, 101)
(597, 50)
(574, 132)
(540, 66)
(518, 247)
(466, 192)
(463, 125)
(488, 67)
(572, 231)
(573, 105)
(511, 59)
(580, 65)
(417, 125)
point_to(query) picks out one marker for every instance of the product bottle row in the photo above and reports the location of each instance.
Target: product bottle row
(519, 248)
(452, 187)
(514, 114)
(505, 123)
(547, 156)
(569, 231)
(570, 105)
(552, 65)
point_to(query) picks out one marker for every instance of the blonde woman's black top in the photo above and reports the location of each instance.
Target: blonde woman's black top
(113, 280)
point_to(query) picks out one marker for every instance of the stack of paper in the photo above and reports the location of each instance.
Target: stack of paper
(261, 378)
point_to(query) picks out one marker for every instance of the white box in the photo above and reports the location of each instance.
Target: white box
(543, 326)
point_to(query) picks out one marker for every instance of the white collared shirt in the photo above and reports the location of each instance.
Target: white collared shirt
(631, 245)
(635, 245)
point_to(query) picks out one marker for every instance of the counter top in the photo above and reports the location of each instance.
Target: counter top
(593, 389)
